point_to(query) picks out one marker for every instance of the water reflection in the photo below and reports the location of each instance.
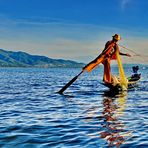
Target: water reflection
(114, 130)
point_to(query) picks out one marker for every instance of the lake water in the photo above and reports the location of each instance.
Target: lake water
(33, 115)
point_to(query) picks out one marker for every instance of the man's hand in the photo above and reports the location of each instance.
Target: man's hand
(128, 55)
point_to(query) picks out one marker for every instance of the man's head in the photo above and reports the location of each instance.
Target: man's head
(116, 37)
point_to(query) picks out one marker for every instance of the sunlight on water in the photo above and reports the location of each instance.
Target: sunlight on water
(32, 114)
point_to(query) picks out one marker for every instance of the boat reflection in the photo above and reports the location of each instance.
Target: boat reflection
(114, 129)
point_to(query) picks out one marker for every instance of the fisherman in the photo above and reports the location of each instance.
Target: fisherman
(108, 54)
(135, 76)
(135, 69)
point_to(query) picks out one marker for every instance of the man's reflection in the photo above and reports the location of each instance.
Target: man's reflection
(114, 131)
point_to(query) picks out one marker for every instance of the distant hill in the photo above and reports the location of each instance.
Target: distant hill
(22, 59)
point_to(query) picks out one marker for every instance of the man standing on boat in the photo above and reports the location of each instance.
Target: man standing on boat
(108, 54)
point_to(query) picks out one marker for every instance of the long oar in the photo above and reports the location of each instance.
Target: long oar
(69, 83)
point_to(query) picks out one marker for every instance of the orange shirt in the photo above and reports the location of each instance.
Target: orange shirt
(110, 49)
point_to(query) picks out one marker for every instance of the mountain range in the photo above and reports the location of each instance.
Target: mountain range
(23, 59)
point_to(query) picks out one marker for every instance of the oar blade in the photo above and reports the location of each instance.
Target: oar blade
(69, 83)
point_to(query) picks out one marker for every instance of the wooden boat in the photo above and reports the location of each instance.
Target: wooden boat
(132, 83)
(123, 83)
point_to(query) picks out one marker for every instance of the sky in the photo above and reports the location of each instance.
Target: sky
(74, 29)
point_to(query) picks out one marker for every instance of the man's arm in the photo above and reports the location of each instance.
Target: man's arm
(125, 54)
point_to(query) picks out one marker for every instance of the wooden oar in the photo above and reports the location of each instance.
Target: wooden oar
(69, 83)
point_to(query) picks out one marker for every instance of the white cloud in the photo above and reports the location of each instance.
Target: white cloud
(81, 42)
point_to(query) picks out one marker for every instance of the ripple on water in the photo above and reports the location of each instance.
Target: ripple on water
(32, 114)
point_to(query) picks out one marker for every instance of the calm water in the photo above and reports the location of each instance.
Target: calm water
(33, 115)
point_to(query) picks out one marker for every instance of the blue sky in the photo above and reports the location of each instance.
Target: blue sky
(73, 29)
